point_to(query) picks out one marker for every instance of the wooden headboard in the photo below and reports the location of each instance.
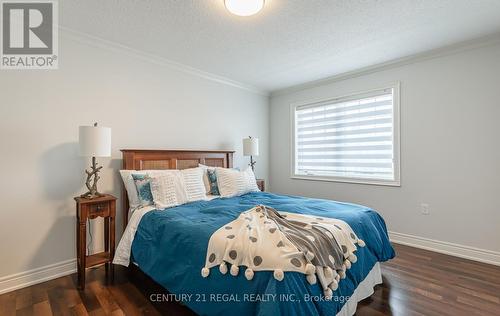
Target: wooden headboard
(140, 159)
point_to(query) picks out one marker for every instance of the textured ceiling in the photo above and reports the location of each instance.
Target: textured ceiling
(290, 41)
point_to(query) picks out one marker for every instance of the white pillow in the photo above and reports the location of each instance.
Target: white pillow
(128, 181)
(168, 190)
(234, 182)
(193, 182)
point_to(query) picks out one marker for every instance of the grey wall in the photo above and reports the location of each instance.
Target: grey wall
(450, 148)
(147, 105)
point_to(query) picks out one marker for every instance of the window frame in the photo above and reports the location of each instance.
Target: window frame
(396, 139)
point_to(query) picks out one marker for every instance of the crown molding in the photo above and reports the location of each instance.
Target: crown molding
(98, 42)
(95, 41)
(490, 40)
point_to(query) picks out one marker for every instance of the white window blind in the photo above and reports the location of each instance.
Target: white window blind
(347, 138)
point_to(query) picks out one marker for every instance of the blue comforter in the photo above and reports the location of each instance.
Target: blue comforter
(170, 246)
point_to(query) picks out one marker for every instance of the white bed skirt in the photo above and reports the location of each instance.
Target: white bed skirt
(364, 290)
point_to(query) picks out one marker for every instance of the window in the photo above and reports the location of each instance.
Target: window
(348, 139)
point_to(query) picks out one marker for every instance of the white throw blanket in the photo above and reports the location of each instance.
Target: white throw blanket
(263, 239)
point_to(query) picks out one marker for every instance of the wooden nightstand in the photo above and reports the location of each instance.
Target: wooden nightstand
(261, 184)
(105, 207)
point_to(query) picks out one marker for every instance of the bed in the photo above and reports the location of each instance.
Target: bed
(168, 247)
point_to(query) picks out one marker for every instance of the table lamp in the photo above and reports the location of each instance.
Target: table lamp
(94, 142)
(251, 148)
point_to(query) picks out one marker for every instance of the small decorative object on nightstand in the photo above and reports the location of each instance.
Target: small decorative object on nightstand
(261, 184)
(102, 206)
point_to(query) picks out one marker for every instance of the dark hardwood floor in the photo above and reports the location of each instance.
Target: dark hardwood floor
(420, 282)
(416, 282)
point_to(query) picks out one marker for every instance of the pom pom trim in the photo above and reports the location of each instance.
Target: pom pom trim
(205, 272)
(249, 274)
(310, 269)
(223, 268)
(279, 275)
(328, 293)
(234, 270)
(311, 278)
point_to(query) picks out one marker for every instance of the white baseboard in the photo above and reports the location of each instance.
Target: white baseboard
(466, 252)
(19, 280)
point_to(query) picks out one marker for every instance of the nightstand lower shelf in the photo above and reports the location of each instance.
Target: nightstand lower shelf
(97, 258)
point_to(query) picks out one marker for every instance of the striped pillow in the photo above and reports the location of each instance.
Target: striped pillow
(193, 183)
(234, 182)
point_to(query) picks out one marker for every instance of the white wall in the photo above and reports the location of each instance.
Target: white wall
(147, 105)
(450, 148)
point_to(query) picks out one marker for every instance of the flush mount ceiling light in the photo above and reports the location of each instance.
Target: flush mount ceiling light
(244, 7)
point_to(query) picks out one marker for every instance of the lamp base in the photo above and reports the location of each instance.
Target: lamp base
(91, 183)
(91, 195)
(252, 163)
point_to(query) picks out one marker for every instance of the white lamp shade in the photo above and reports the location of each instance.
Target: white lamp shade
(251, 146)
(95, 141)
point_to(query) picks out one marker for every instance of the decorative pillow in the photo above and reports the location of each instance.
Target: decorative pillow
(206, 181)
(168, 190)
(212, 179)
(143, 186)
(128, 181)
(234, 183)
(193, 182)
